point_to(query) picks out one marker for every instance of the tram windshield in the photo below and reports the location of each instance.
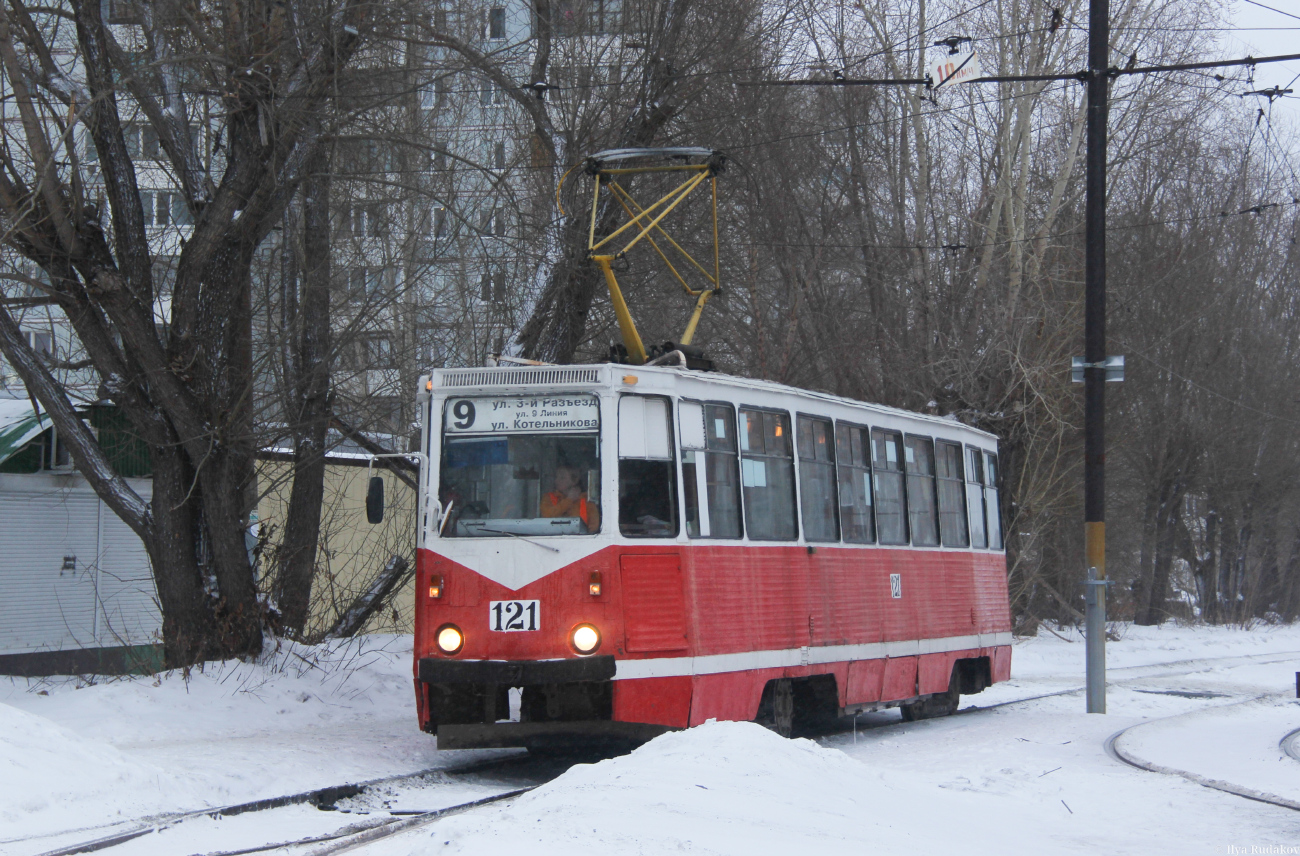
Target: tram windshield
(516, 466)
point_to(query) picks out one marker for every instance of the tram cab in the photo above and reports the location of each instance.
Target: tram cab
(608, 552)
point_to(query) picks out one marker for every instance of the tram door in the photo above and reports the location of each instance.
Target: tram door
(654, 606)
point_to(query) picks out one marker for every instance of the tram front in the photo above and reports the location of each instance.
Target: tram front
(515, 633)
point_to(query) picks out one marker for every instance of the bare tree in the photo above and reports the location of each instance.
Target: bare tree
(233, 99)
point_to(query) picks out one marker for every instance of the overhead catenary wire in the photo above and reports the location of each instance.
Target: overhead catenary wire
(1030, 78)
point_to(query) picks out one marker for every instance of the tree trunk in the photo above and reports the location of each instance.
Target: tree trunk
(308, 322)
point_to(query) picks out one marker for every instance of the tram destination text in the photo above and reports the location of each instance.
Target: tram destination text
(506, 415)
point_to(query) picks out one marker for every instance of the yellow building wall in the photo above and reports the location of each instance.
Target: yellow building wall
(352, 552)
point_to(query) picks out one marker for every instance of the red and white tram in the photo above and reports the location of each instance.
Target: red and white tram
(612, 551)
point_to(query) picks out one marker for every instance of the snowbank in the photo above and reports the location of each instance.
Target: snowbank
(298, 718)
(52, 779)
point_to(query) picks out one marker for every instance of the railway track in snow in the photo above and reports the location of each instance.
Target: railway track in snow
(381, 824)
(1125, 756)
(1288, 744)
(370, 826)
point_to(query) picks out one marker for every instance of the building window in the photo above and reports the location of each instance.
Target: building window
(369, 283)
(40, 341)
(141, 140)
(767, 475)
(887, 476)
(493, 224)
(496, 155)
(952, 505)
(428, 344)
(162, 208)
(372, 352)
(496, 22)
(367, 221)
(492, 287)
(441, 222)
(490, 94)
(817, 500)
(585, 17)
(124, 12)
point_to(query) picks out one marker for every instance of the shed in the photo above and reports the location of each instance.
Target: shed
(76, 589)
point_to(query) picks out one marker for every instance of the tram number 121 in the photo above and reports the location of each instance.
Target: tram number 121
(511, 615)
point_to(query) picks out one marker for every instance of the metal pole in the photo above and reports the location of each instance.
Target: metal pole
(1094, 377)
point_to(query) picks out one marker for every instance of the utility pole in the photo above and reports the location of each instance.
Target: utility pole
(1094, 336)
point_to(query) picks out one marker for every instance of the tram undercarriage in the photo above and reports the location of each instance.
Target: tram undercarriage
(568, 704)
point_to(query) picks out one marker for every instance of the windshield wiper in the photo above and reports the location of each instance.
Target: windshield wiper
(520, 537)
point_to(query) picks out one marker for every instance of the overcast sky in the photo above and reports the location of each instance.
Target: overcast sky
(1265, 32)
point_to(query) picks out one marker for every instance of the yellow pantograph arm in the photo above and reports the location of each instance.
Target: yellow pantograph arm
(631, 338)
(672, 199)
(626, 198)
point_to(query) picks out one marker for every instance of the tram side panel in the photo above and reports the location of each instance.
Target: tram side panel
(782, 599)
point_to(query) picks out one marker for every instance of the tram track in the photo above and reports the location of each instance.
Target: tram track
(538, 770)
(372, 829)
(1288, 744)
(1115, 750)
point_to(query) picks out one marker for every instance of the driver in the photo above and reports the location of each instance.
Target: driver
(568, 499)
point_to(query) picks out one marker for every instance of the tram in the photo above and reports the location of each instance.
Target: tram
(612, 551)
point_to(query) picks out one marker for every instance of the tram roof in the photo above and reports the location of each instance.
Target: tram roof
(573, 377)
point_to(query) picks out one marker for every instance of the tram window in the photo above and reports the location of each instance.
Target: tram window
(951, 488)
(891, 495)
(647, 496)
(853, 459)
(975, 497)
(708, 437)
(921, 515)
(992, 510)
(817, 480)
(522, 484)
(767, 476)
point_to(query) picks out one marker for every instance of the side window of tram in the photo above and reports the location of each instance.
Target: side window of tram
(891, 497)
(921, 516)
(817, 480)
(952, 505)
(975, 497)
(710, 482)
(647, 495)
(992, 511)
(853, 457)
(767, 476)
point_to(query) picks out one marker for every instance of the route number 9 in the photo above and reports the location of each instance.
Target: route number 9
(464, 413)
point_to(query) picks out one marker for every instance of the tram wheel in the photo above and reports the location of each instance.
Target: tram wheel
(939, 704)
(776, 708)
(783, 707)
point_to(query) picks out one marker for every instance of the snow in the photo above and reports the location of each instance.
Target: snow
(1033, 775)
(299, 718)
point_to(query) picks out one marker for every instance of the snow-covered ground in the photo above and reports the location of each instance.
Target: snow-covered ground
(1215, 703)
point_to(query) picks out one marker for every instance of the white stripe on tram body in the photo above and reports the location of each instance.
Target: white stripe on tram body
(712, 664)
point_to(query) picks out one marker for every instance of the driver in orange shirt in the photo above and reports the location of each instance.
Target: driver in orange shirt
(569, 499)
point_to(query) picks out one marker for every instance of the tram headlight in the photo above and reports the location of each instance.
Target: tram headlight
(585, 638)
(449, 639)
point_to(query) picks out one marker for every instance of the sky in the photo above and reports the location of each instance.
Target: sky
(1263, 31)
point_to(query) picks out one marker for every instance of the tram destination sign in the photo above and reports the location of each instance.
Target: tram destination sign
(517, 414)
